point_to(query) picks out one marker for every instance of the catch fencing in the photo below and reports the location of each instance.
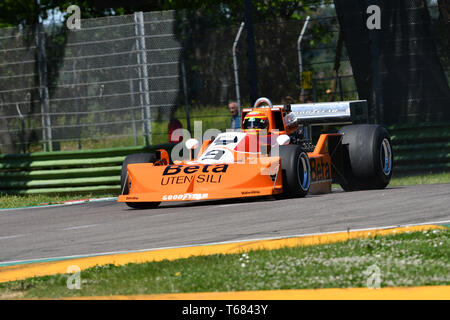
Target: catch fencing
(79, 88)
(401, 67)
(119, 81)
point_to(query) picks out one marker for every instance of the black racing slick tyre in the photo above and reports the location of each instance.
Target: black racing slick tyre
(136, 158)
(296, 171)
(367, 157)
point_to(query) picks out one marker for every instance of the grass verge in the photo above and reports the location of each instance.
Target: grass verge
(18, 201)
(408, 259)
(430, 178)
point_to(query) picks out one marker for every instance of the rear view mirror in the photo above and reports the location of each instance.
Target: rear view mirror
(283, 140)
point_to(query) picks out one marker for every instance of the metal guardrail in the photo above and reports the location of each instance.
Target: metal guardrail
(423, 148)
(420, 149)
(83, 171)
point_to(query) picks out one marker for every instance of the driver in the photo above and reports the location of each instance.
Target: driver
(255, 121)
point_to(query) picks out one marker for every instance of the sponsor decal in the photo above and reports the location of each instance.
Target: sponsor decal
(320, 170)
(185, 196)
(213, 155)
(132, 198)
(201, 178)
(250, 192)
(208, 178)
(226, 139)
(339, 109)
(175, 169)
(207, 173)
(176, 180)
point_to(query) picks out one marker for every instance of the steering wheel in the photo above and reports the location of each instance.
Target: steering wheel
(262, 100)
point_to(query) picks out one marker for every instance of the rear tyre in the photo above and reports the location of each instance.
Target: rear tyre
(367, 157)
(296, 171)
(124, 186)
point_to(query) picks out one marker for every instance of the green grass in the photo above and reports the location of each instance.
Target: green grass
(17, 201)
(431, 178)
(411, 180)
(409, 259)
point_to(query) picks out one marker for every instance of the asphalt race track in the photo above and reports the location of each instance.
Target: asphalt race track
(108, 226)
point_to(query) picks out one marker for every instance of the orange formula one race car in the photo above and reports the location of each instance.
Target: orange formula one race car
(272, 155)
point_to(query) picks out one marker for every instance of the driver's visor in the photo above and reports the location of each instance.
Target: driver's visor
(255, 123)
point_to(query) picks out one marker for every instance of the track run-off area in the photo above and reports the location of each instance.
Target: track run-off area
(96, 228)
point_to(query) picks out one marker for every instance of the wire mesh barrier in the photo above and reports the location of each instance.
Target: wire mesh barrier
(276, 59)
(119, 81)
(19, 89)
(104, 82)
(397, 67)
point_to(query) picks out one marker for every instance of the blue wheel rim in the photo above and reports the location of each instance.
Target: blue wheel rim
(305, 172)
(386, 157)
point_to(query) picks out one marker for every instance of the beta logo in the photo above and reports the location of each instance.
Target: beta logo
(175, 169)
(185, 196)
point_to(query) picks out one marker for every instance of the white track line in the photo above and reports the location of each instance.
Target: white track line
(80, 227)
(12, 236)
(231, 205)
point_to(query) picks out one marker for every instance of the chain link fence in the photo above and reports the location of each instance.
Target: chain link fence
(400, 67)
(277, 62)
(107, 81)
(119, 81)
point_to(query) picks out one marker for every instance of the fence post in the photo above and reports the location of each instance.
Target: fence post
(143, 74)
(315, 90)
(183, 73)
(43, 88)
(251, 51)
(340, 87)
(299, 49)
(235, 65)
(376, 95)
(133, 103)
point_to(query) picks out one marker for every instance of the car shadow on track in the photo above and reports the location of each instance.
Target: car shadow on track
(203, 203)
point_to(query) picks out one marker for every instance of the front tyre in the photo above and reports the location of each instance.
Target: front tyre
(124, 181)
(296, 170)
(367, 157)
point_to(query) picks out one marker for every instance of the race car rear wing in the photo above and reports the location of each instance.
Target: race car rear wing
(327, 113)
